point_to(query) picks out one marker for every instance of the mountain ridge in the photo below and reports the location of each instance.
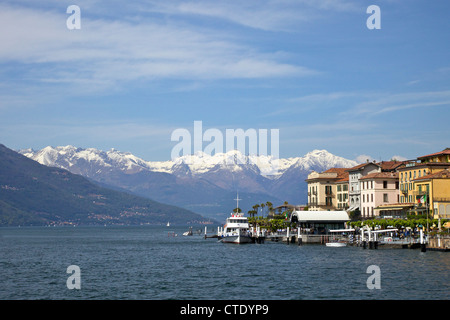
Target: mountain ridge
(35, 194)
(200, 182)
(198, 163)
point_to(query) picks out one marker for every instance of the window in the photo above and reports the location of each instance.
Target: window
(371, 197)
(385, 197)
(385, 184)
(396, 185)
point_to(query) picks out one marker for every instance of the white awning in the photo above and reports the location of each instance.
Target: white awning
(342, 230)
(322, 216)
(385, 230)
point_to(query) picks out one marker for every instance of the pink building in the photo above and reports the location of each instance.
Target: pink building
(378, 188)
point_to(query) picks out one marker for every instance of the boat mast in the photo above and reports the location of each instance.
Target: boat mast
(237, 201)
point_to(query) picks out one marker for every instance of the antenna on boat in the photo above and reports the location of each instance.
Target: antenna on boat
(237, 201)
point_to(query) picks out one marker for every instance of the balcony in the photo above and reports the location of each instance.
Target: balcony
(324, 204)
(419, 193)
(441, 199)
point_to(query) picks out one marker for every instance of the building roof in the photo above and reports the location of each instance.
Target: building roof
(384, 165)
(380, 175)
(391, 165)
(342, 173)
(322, 216)
(361, 166)
(330, 174)
(440, 153)
(346, 179)
(424, 165)
(444, 174)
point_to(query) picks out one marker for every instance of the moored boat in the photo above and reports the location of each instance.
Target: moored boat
(336, 244)
(236, 230)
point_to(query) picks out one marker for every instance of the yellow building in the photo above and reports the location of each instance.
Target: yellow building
(417, 180)
(324, 189)
(433, 193)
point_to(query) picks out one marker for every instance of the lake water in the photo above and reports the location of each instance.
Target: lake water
(143, 262)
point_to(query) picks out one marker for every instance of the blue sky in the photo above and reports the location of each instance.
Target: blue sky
(138, 70)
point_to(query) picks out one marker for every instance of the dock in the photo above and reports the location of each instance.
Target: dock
(368, 239)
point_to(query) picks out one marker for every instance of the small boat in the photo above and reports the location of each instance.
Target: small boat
(336, 244)
(188, 233)
(168, 224)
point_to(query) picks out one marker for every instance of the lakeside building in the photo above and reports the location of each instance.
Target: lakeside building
(354, 176)
(390, 189)
(377, 189)
(322, 189)
(433, 194)
(342, 192)
(422, 185)
(320, 222)
(370, 169)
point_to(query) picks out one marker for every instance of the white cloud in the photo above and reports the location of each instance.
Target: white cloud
(106, 51)
(269, 15)
(364, 158)
(387, 103)
(399, 158)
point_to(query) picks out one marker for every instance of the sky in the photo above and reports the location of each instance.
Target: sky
(135, 71)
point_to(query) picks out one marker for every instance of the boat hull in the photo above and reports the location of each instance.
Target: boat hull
(336, 244)
(237, 239)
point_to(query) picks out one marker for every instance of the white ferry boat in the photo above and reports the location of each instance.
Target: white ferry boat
(236, 230)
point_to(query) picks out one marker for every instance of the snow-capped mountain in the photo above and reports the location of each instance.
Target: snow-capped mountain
(71, 157)
(200, 182)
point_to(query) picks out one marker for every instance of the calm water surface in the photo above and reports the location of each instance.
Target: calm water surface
(145, 263)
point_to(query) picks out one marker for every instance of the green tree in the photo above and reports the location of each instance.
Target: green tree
(255, 208)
